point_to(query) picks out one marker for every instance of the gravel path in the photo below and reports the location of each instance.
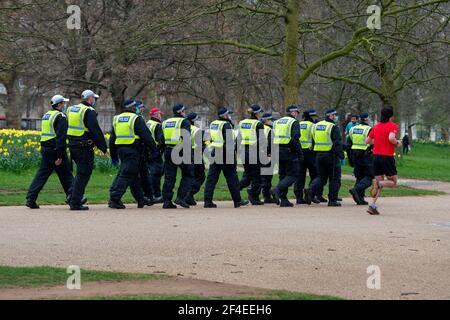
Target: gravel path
(310, 249)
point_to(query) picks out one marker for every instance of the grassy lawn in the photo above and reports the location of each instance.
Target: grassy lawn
(13, 188)
(32, 277)
(26, 277)
(425, 161)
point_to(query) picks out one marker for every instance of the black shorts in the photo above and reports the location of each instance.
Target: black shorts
(384, 166)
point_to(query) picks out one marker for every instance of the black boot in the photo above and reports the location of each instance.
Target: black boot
(210, 205)
(241, 203)
(32, 204)
(79, 208)
(308, 196)
(275, 195)
(145, 202)
(355, 196)
(322, 199)
(83, 201)
(334, 204)
(116, 204)
(255, 201)
(269, 200)
(157, 200)
(285, 203)
(316, 200)
(300, 201)
(362, 196)
(190, 200)
(182, 203)
(169, 205)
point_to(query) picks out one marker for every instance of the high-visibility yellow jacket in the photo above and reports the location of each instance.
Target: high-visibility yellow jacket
(123, 125)
(358, 135)
(217, 138)
(194, 131)
(75, 117)
(306, 134)
(248, 132)
(322, 136)
(48, 125)
(152, 124)
(267, 131)
(282, 130)
(172, 131)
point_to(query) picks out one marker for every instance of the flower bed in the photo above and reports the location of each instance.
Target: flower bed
(20, 151)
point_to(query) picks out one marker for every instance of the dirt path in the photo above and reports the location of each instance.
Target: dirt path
(170, 286)
(309, 249)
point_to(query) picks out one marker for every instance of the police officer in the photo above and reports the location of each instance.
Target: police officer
(84, 134)
(267, 121)
(222, 148)
(286, 133)
(173, 136)
(198, 146)
(251, 133)
(303, 195)
(53, 151)
(329, 147)
(362, 159)
(156, 164)
(146, 156)
(127, 141)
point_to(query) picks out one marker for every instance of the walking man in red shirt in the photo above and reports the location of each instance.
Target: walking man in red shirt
(384, 139)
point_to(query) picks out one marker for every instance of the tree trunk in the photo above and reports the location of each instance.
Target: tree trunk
(387, 84)
(117, 89)
(117, 96)
(390, 97)
(445, 134)
(12, 111)
(410, 133)
(290, 68)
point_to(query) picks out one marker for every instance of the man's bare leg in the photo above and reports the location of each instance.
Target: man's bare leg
(391, 182)
(381, 183)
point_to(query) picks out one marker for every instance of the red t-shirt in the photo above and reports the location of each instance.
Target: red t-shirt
(380, 134)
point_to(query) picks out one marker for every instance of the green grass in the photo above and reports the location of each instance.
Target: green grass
(25, 277)
(14, 186)
(426, 161)
(32, 277)
(288, 295)
(270, 295)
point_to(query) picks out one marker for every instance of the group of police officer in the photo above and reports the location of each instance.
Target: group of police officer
(146, 151)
